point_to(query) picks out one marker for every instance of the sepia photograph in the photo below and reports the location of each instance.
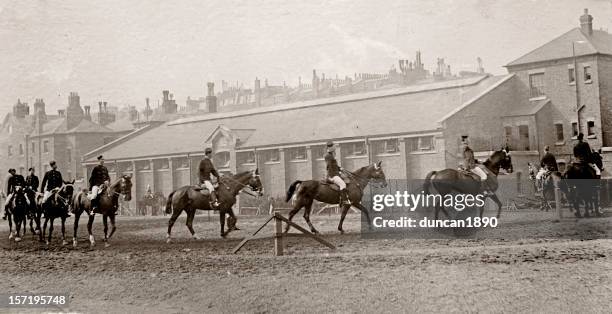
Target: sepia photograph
(323, 156)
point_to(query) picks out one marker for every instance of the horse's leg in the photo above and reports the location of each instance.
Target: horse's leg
(44, 228)
(105, 222)
(190, 215)
(17, 228)
(296, 208)
(77, 216)
(231, 213)
(363, 211)
(175, 214)
(64, 242)
(345, 209)
(10, 221)
(111, 217)
(222, 223)
(307, 210)
(90, 222)
(50, 230)
(497, 201)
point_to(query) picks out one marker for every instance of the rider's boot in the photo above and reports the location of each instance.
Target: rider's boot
(213, 200)
(345, 199)
(5, 213)
(94, 205)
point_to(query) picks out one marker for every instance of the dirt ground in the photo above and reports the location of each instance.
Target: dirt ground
(534, 264)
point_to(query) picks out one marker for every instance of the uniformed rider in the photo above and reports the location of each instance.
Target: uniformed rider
(333, 173)
(469, 163)
(583, 154)
(52, 180)
(99, 177)
(14, 180)
(206, 169)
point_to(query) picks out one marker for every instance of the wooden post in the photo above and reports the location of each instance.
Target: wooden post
(278, 237)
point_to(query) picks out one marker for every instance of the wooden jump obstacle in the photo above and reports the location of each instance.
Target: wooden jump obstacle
(279, 243)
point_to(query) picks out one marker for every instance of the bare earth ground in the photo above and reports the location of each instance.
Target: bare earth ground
(528, 268)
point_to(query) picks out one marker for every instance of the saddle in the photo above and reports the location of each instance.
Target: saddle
(332, 185)
(202, 189)
(468, 173)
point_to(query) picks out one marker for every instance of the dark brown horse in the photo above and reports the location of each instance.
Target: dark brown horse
(16, 213)
(308, 191)
(190, 198)
(448, 181)
(108, 204)
(56, 206)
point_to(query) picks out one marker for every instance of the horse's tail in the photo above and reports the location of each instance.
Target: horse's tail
(169, 203)
(292, 189)
(427, 183)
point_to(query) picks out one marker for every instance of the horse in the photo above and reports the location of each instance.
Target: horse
(448, 181)
(190, 198)
(581, 185)
(16, 213)
(56, 206)
(34, 213)
(308, 191)
(107, 206)
(545, 185)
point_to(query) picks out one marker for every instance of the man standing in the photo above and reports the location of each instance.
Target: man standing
(52, 180)
(14, 180)
(333, 173)
(99, 176)
(206, 169)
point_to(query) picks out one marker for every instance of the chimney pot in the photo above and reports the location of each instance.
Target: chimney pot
(586, 23)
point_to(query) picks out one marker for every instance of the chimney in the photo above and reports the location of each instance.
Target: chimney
(257, 92)
(74, 112)
(87, 112)
(315, 83)
(105, 108)
(99, 107)
(211, 99)
(166, 93)
(586, 23)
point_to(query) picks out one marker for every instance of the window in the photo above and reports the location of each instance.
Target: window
(21, 149)
(574, 129)
(45, 146)
(536, 85)
(587, 74)
(145, 165)
(33, 147)
(69, 154)
(523, 137)
(272, 155)
(356, 149)
(297, 153)
(559, 132)
(318, 152)
(10, 151)
(390, 146)
(571, 76)
(591, 128)
(425, 143)
(246, 157)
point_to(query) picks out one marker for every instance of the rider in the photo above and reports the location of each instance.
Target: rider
(13, 181)
(99, 176)
(333, 173)
(206, 169)
(32, 184)
(547, 163)
(583, 154)
(149, 192)
(52, 180)
(470, 165)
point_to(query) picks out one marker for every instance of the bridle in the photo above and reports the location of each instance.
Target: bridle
(363, 181)
(242, 185)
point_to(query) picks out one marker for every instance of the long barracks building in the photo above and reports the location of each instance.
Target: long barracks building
(549, 95)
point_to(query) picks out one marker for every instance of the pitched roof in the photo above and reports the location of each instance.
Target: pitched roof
(59, 126)
(600, 42)
(377, 113)
(526, 108)
(121, 125)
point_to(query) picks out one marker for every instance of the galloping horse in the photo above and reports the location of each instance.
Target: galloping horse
(107, 206)
(448, 181)
(190, 198)
(57, 206)
(16, 213)
(308, 191)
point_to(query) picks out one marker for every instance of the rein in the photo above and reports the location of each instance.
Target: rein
(239, 183)
(362, 181)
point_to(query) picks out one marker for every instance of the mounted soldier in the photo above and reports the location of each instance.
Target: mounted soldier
(333, 173)
(206, 169)
(14, 180)
(32, 184)
(469, 163)
(583, 154)
(548, 163)
(98, 180)
(51, 183)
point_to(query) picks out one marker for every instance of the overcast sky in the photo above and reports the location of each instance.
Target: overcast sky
(123, 51)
